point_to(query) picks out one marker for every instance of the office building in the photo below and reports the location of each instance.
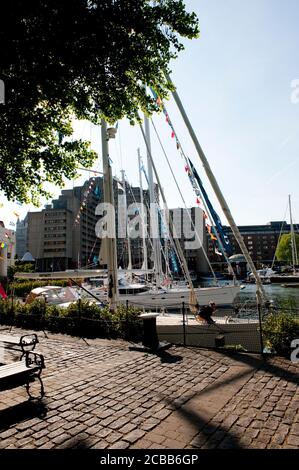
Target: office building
(7, 249)
(260, 240)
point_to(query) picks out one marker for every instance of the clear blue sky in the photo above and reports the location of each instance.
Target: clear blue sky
(235, 84)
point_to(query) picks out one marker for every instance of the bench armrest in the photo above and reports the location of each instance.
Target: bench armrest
(29, 340)
(34, 359)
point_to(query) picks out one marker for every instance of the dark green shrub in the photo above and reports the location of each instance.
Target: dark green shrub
(278, 332)
(5, 311)
(83, 319)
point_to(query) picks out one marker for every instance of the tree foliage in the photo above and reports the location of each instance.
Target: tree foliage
(279, 330)
(85, 59)
(19, 266)
(284, 248)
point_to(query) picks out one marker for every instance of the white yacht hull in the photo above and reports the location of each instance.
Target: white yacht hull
(173, 298)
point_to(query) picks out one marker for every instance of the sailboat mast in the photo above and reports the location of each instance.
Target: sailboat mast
(220, 197)
(293, 240)
(109, 198)
(127, 225)
(144, 264)
(153, 206)
(169, 221)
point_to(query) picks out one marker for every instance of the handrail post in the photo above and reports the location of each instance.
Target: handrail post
(184, 324)
(127, 336)
(260, 327)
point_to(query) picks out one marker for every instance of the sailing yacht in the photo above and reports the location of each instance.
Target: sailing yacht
(157, 295)
(169, 295)
(172, 296)
(294, 277)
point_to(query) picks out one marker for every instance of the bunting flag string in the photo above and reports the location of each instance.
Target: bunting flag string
(173, 261)
(120, 186)
(97, 192)
(86, 194)
(188, 170)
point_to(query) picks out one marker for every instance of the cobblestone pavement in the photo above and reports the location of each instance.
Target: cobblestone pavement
(101, 395)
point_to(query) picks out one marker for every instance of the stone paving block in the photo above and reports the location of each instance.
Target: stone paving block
(75, 430)
(293, 440)
(113, 437)
(141, 444)
(133, 436)
(119, 445)
(25, 433)
(60, 439)
(8, 433)
(244, 421)
(128, 428)
(125, 400)
(149, 424)
(198, 441)
(279, 436)
(295, 429)
(172, 444)
(230, 420)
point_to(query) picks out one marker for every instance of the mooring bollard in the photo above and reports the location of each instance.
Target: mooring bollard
(150, 341)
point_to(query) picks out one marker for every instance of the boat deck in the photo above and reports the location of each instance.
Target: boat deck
(235, 332)
(177, 319)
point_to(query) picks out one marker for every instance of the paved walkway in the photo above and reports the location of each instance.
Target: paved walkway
(101, 395)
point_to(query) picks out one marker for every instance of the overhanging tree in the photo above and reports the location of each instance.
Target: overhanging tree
(87, 59)
(284, 247)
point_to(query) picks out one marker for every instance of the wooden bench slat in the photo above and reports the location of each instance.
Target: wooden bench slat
(10, 339)
(10, 371)
(22, 373)
(19, 340)
(13, 373)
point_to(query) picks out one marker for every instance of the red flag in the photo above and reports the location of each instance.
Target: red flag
(172, 134)
(2, 292)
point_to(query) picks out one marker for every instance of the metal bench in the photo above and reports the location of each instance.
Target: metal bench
(19, 343)
(23, 372)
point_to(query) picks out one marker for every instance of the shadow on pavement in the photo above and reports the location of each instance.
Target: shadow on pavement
(21, 412)
(208, 434)
(169, 358)
(266, 364)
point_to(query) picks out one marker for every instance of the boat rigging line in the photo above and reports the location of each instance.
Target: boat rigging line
(260, 292)
(174, 240)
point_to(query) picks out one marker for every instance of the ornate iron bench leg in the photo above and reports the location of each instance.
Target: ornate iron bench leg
(42, 391)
